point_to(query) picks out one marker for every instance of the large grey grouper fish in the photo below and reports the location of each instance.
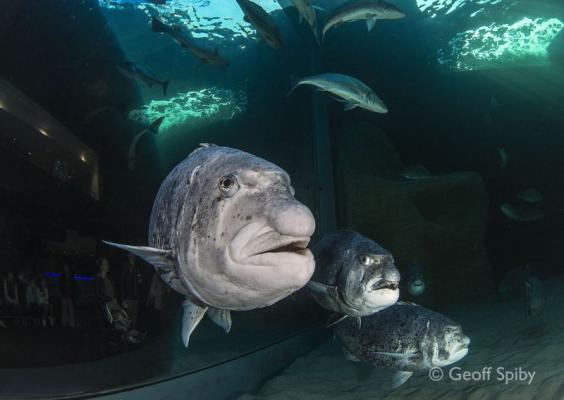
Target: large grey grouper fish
(365, 10)
(346, 89)
(354, 276)
(131, 152)
(227, 233)
(406, 337)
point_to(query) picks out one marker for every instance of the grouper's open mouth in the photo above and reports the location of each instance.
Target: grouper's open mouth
(298, 246)
(384, 284)
(267, 247)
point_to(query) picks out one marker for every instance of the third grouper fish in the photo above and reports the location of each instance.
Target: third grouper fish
(347, 89)
(405, 337)
(354, 276)
(227, 233)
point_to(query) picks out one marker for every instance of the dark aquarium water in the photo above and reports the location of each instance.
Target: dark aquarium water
(281, 199)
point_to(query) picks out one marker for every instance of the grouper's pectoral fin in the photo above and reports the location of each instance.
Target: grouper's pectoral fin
(399, 356)
(331, 291)
(157, 257)
(221, 318)
(400, 378)
(192, 316)
(162, 260)
(335, 319)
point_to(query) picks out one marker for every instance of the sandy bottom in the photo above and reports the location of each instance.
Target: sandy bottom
(503, 337)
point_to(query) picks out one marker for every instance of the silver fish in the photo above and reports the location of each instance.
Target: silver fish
(406, 337)
(521, 214)
(153, 128)
(366, 10)
(205, 54)
(307, 12)
(137, 72)
(262, 22)
(416, 172)
(227, 233)
(354, 276)
(530, 196)
(347, 89)
(416, 281)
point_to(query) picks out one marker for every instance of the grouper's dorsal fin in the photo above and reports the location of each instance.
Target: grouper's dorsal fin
(191, 317)
(221, 318)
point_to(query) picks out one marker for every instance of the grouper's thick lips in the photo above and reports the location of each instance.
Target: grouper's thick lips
(266, 247)
(458, 354)
(288, 249)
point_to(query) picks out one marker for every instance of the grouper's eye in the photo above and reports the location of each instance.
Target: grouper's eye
(366, 260)
(228, 185)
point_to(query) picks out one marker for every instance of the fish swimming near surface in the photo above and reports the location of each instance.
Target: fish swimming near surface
(227, 233)
(137, 72)
(521, 214)
(416, 172)
(345, 89)
(535, 295)
(530, 196)
(202, 52)
(262, 22)
(406, 337)
(153, 128)
(354, 276)
(307, 12)
(364, 10)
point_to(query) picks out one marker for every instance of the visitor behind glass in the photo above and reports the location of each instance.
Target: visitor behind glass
(67, 289)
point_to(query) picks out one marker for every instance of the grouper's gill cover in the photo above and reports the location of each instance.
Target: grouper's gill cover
(227, 232)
